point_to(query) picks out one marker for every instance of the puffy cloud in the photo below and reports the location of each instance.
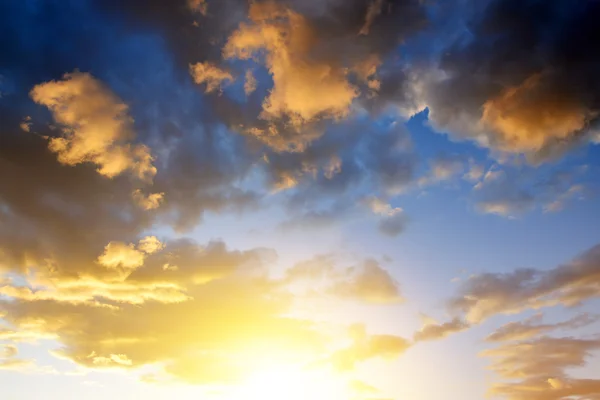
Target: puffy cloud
(95, 127)
(150, 244)
(488, 87)
(209, 74)
(314, 56)
(118, 254)
(435, 331)
(488, 294)
(368, 282)
(230, 311)
(303, 89)
(393, 221)
(524, 330)
(528, 117)
(148, 202)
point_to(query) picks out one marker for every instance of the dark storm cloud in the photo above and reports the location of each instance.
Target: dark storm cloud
(521, 78)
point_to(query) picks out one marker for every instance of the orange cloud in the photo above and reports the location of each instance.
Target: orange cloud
(209, 74)
(304, 88)
(95, 127)
(529, 117)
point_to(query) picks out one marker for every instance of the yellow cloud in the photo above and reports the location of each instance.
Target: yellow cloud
(118, 254)
(150, 245)
(209, 74)
(537, 369)
(304, 88)
(95, 127)
(366, 347)
(529, 117)
(148, 202)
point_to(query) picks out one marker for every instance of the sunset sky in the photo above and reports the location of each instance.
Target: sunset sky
(299, 199)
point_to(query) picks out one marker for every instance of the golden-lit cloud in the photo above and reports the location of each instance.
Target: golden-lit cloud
(486, 295)
(95, 127)
(212, 316)
(250, 83)
(209, 74)
(228, 322)
(118, 254)
(366, 347)
(532, 327)
(537, 369)
(9, 359)
(431, 330)
(368, 282)
(393, 220)
(305, 89)
(148, 202)
(529, 117)
(150, 244)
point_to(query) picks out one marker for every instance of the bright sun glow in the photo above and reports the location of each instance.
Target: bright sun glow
(291, 383)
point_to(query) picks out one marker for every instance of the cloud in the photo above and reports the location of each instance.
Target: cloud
(224, 291)
(95, 127)
(148, 202)
(150, 245)
(393, 221)
(474, 173)
(118, 254)
(373, 11)
(435, 331)
(559, 203)
(486, 86)
(198, 5)
(530, 328)
(366, 347)
(9, 360)
(442, 169)
(209, 74)
(528, 117)
(513, 191)
(303, 89)
(537, 369)
(249, 83)
(367, 282)
(488, 294)
(317, 64)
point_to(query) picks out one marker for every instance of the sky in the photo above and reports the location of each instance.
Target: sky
(299, 199)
